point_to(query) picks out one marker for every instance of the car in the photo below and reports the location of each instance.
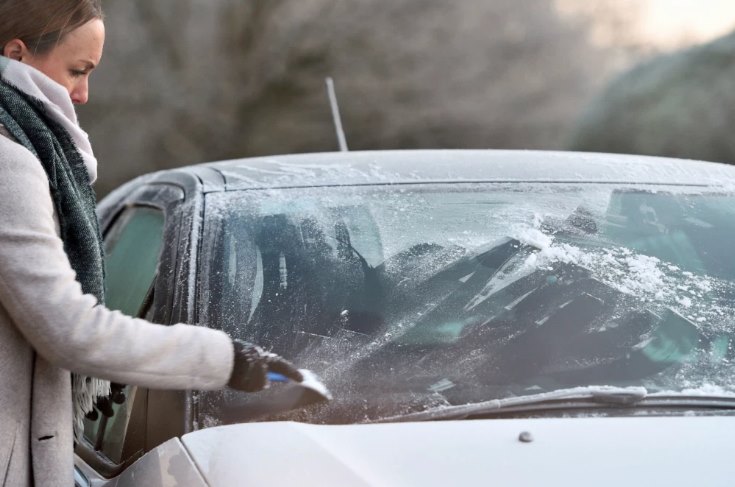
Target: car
(479, 316)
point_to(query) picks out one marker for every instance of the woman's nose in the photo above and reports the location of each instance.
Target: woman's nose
(80, 93)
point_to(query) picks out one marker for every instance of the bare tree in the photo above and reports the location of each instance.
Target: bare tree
(186, 81)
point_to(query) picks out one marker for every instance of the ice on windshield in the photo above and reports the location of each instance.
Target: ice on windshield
(647, 277)
(404, 297)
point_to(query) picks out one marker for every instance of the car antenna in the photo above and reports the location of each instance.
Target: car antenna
(342, 141)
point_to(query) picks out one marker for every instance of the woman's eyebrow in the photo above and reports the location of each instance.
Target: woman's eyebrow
(89, 65)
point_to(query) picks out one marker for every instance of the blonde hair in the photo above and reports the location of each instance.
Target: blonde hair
(42, 24)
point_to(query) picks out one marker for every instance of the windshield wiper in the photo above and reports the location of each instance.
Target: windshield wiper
(579, 398)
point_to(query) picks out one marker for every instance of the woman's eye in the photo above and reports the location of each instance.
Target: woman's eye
(77, 73)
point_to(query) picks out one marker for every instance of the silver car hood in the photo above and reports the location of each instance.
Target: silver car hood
(562, 452)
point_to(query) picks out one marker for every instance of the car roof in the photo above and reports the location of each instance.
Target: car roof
(426, 166)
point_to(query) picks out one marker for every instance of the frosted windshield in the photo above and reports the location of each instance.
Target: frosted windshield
(410, 296)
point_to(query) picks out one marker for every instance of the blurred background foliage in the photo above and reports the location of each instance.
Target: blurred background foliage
(188, 81)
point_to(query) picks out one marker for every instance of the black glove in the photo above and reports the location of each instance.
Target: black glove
(252, 365)
(104, 403)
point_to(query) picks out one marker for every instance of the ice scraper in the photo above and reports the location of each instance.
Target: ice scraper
(311, 385)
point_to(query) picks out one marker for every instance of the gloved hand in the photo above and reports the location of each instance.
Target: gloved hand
(104, 403)
(252, 365)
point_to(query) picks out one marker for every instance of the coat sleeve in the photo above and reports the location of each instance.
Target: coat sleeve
(68, 328)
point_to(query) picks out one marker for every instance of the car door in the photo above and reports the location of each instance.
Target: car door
(142, 243)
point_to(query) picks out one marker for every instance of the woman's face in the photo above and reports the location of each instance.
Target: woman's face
(73, 59)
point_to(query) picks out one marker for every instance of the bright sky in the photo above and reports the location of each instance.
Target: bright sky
(667, 24)
(666, 21)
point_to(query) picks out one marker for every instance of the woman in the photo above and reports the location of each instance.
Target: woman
(52, 317)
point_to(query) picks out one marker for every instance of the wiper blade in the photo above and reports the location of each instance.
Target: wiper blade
(693, 401)
(594, 394)
(591, 397)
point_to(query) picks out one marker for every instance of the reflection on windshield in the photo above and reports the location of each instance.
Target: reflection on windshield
(404, 298)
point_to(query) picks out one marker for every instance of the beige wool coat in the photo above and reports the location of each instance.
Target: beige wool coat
(48, 328)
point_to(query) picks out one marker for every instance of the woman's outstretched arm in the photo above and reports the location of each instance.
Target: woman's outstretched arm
(41, 297)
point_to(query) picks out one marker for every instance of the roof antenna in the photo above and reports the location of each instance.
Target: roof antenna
(335, 116)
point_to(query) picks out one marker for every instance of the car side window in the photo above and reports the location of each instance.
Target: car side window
(132, 248)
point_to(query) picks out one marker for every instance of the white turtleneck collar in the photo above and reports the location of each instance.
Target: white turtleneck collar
(57, 101)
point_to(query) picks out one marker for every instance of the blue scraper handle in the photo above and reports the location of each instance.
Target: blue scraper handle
(276, 377)
(311, 383)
